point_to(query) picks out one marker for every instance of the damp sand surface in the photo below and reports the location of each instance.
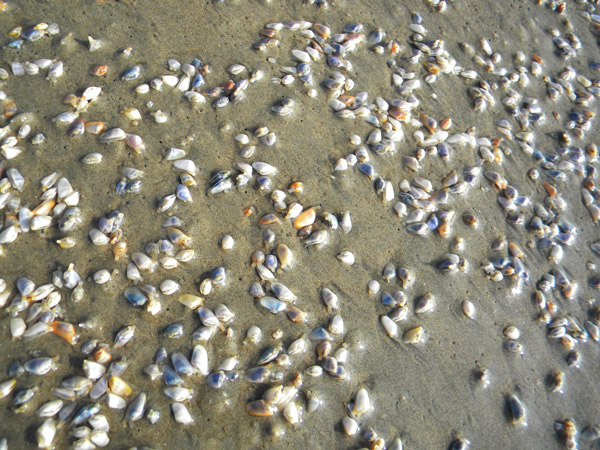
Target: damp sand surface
(426, 394)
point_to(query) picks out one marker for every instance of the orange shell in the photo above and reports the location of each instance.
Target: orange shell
(64, 330)
(306, 218)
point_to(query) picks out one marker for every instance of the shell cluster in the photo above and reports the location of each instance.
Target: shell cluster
(152, 326)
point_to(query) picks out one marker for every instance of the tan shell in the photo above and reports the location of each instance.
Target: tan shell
(306, 218)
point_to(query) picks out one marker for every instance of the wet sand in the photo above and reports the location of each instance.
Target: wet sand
(425, 394)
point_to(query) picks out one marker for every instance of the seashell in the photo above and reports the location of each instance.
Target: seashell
(93, 370)
(425, 304)
(143, 262)
(285, 255)
(413, 336)
(260, 408)
(45, 433)
(517, 410)
(273, 305)
(113, 135)
(114, 401)
(390, 326)
(346, 257)
(185, 165)
(119, 387)
(283, 293)
(199, 360)
(350, 426)
(131, 74)
(94, 127)
(306, 218)
(92, 158)
(362, 403)
(65, 330)
(124, 336)
(135, 410)
(102, 276)
(468, 309)
(40, 366)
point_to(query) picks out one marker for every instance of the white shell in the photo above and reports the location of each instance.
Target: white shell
(350, 426)
(56, 71)
(340, 165)
(64, 188)
(178, 394)
(242, 139)
(390, 326)
(36, 330)
(346, 222)
(91, 93)
(99, 438)
(143, 262)
(181, 414)
(296, 347)
(195, 97)
(294, 210)
(168, 262)
(396, 444)
(285, 255)
(184, 83)
(170, 80)
(283, 293)
(71, 278)
(263, 168)
(133, 273)
(81, 431)
(99, 422)
(468, 309)
(50, 408)
(93, 370)
(362, 403)
(253, 335)
(301, 55)
(98, 237)
(169, 287)
(336, 326)
(52, 300)
(25, 286)
(6, 387)
(227, 242)
(113, 135)
(115, 402)
(205, 287)
(512, 332)
(388, 193)
(102, 276)
(200, 359)
(346, 257)
(160, 116)
(425, 304)
(11, 152)
(43, 63)
(83, 444)
(228, 365)
(92, 158)
(341, 355)
(288, 393)
(330, 299)
(185, 165)
(132, 114)
(45, 433)
(291, 413)
(17, 327)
